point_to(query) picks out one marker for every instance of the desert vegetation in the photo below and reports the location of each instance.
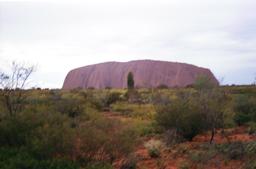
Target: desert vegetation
(201, 126)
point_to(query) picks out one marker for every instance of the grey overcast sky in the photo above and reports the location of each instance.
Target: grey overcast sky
(58, 36)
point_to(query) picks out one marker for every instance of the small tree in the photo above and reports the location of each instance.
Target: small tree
(12, 84)
(194, 112)
(211, 101)
(130, 81)
(181, 115)
(203, 82)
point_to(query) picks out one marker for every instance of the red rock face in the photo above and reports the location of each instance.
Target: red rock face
(147, 73)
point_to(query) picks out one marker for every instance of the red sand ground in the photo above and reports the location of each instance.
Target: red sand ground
(170, 159)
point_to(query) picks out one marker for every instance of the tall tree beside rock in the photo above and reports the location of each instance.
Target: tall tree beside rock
(130, 81)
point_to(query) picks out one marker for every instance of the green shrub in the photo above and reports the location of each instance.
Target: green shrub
(138, 111)
(245, 109)
(112, 97)
(204, 156)
(252, 128)
(55, 126)
(41, 132)
(106, 136)
(154, 153)
(250, 164)
(182, 149)
(144, 128)
(122, 107)
(21, 159)
(55, 136)
(98, 166)
(181, 116)
(154, 148)
(172, 137)
(203, 82)
(191, 113)
(241, 118)
(129, 163)
(70, 106)
(250, 148)
(17, 130)
(234, 150)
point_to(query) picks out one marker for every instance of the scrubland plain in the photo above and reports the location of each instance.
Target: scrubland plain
(195, 127)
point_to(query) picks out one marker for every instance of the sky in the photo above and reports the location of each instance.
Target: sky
(57, 36)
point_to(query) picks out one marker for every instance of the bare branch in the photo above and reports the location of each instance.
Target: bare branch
(17, 78)
(28, 72)
(14, 71)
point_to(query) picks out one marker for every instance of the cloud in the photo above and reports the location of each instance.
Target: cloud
(59, 36)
